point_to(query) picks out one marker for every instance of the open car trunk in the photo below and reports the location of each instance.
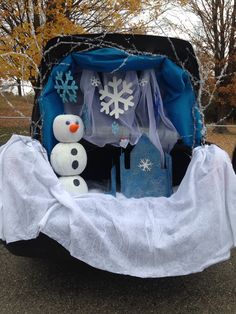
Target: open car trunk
(163, 118)
(155, 51)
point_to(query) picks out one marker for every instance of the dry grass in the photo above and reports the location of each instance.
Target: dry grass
(226, 141)
(14, 106)
(10, 105)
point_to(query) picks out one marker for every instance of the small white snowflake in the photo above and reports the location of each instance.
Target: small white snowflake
(142, 82)
(116, 97)
(66, 86)
(145, 165)
(95, 81)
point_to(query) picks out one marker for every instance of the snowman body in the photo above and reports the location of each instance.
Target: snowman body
(75, 185)
(68, 158)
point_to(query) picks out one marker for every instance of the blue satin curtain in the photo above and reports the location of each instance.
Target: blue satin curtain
(178, 96)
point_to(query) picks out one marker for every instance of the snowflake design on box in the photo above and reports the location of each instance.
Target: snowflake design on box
(145, 165)
(66, 86)
(115, 128)
(95, 81)
(112, 107)
(142, 82)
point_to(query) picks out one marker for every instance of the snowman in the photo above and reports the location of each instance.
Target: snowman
(68, 158)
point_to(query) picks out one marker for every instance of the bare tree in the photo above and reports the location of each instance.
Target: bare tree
(216, 41)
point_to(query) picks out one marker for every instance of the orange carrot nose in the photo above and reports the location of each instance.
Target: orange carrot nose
(74, 127)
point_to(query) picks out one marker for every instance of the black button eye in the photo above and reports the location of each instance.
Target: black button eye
(77, 122)
(67, 122)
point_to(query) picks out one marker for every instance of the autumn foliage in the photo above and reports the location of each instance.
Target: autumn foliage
(26, 25)
(216, 41)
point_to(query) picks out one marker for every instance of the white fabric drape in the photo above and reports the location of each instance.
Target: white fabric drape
(147, 237)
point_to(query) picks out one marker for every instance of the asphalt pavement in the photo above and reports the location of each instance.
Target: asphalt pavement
(40, 286)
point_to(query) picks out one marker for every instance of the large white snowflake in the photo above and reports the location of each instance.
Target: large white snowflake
(145, 165)
(117, 97)
(66, 86)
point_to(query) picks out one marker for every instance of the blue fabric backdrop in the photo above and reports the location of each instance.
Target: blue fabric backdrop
(178, 95)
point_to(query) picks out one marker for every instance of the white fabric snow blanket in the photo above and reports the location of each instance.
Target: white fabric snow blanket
(148, 237)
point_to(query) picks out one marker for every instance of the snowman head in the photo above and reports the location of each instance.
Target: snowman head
(68, 128)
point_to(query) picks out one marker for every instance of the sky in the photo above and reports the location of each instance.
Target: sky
(176, 15)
